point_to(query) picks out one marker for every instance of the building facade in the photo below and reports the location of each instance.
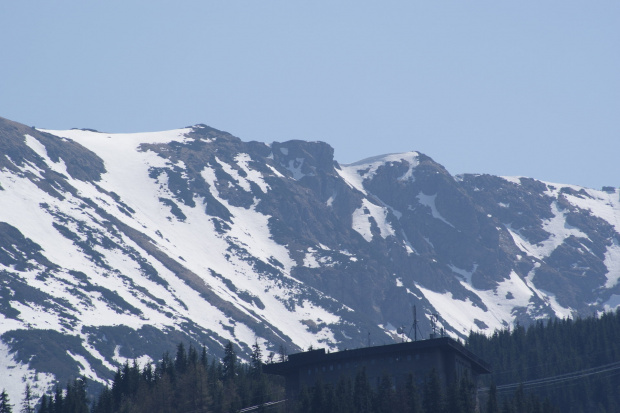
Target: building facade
(418, 358)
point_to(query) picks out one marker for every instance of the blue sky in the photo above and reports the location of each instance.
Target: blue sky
(502, 87)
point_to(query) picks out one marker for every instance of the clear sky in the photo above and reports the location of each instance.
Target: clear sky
(484, 86)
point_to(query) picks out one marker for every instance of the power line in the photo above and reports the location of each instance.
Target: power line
(613, 368)
(258, 406)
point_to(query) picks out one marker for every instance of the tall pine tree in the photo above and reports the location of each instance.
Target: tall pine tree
(5, 404)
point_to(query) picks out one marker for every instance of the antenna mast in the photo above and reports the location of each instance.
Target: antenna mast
(434, 321)
(415, 324)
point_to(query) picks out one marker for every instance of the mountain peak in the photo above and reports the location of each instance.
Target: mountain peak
(120, 246)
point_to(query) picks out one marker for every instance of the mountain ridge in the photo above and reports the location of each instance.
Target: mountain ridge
(117, 244)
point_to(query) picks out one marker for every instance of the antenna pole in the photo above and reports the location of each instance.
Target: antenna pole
(415, 324)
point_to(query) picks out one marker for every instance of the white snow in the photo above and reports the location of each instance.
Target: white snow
(295, 165)
(361, 220)
(206, 251)
(356, 173)
(429, 201)
(602, 204)
(466, 275)
(203, 249)
(510, 294)
(612, 262)
(558, 228)
(459, 314)
(243, 160)
(612, 303)
(15, 375)
(310, 260)
(513, 179)
(85, 368)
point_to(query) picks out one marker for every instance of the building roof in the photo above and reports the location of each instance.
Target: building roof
(299, 360)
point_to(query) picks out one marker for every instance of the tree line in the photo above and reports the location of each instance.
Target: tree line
(358, 396)
(567, 365)
(574, 363)
(187, 382)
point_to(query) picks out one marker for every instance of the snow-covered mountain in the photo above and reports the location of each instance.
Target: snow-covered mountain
(116, 247)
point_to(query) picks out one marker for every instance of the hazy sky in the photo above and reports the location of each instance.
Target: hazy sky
(502, 87)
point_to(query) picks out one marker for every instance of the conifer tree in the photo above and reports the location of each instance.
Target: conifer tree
(44, 406)
(257, 361)
(492, 406)
(433, 396)
(230, 362)
(192, 355)
(27, 403)
(180, 362)
(466, 395)
(361, 393)
(283, 353)
(58, 405)
(385, 395)
(76, 400)
(318, 402)
(412, 396)
(520, 403)
(204, 359)
(5, 404)
(453, 403)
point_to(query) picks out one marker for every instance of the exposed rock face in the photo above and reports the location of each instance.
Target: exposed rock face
(117, 247)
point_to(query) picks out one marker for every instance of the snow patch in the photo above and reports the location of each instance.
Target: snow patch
(356, 173)
(558, 229)
(466, 275)
(362, 223)
(612, 262)
(612, 303)
(15, 375)
(429, 201)
(295, 165)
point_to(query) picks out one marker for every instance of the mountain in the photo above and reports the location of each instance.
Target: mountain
(116, 247)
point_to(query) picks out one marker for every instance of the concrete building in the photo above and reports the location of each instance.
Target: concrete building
(448, 357)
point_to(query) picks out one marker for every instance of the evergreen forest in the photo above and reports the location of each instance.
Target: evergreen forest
(572, 363)
(567, 365)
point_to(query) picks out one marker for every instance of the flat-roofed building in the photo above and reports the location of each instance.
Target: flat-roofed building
(418, 358)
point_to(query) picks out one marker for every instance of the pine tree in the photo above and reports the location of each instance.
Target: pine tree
(412, 396)
(204, 359)
(318, 402)
(76, 399)
(385, 395)
(257, 361)
(148, 376)
(192, 355)
(283, 353)
(230, 362)
(433, 396)
(344, 399)
(361, 393)
(58, 404)
(492, 406)
(466, 394)
(303, 401)
(180, 362)
(5, 404)
(44, 407)
(27, 403)
(519, 400)
(453, 403)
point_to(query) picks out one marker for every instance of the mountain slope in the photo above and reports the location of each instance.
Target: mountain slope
(118, 246)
